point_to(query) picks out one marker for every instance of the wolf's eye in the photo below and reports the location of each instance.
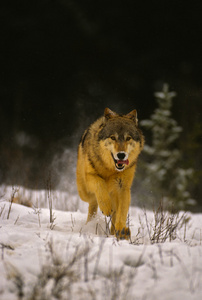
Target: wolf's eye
(113, 138)
(128, 138)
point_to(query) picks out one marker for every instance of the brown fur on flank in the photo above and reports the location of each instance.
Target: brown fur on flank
(107, 158)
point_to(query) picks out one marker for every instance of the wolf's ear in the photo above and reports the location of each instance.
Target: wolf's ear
(108, 113)
(133, 115)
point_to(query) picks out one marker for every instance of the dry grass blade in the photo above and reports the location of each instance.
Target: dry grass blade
(15, 190)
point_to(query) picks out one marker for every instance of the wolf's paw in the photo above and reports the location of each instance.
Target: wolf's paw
(106, 208)
(108, 212)
(123, 234)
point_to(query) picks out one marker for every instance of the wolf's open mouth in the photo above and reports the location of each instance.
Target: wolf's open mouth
(120, 164)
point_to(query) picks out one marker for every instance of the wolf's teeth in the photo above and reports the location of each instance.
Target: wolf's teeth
(120, 166)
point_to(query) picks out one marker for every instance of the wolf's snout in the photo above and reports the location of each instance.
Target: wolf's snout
(121, 160)
(121, 155)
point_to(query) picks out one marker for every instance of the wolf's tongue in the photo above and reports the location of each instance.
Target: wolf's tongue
(121, 162)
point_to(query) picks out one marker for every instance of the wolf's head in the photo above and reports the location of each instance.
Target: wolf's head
(120, 139)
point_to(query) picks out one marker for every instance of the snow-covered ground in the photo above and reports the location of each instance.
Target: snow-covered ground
(67, 259)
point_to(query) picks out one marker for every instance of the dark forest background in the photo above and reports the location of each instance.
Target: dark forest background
(62, 62)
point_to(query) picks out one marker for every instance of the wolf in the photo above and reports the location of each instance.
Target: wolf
(106, 163)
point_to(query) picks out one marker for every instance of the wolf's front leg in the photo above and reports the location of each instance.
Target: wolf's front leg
(92, 209)
(122, 232)
(97, 186)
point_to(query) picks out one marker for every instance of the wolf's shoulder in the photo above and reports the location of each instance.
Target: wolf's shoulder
(92, 131)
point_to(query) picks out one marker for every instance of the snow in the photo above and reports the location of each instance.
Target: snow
(71, 260)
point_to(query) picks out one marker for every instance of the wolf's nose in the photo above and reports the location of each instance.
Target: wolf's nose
(121, 155)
